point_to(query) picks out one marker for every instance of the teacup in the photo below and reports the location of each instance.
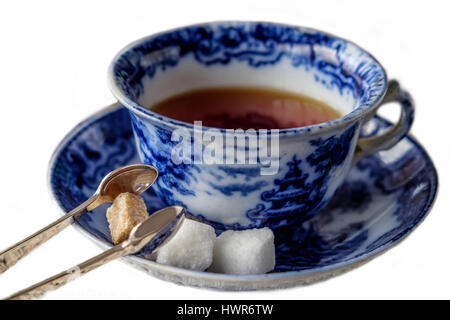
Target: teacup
(312, 161)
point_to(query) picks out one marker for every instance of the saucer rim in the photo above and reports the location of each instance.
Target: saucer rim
(233, 281)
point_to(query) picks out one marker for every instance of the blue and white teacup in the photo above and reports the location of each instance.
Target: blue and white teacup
(302, 167)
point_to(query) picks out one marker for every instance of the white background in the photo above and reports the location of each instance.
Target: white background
(53, 62)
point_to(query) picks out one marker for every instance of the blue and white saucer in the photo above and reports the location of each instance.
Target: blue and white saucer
(383, 199)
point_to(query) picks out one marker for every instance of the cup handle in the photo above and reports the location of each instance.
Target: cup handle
(395, 93)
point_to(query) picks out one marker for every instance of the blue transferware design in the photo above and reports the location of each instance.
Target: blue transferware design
(313, 161)
(257, 45)
(295, 196)
(383, 198)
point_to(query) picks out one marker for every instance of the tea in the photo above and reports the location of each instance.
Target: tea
(245, 108)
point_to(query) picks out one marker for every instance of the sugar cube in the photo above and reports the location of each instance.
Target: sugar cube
(126, 212)
(244, 252)
(190, 248)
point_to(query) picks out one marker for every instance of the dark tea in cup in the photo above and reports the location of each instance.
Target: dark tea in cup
(245, 108)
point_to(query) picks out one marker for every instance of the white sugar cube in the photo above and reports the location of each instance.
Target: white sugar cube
(244, 252)
(190, 248)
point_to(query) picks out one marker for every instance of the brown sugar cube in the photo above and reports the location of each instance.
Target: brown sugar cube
(126, 212)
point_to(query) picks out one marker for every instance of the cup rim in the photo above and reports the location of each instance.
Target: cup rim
(344, 121)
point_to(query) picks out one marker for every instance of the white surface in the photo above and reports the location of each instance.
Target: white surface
(190, 75)
(53, 62)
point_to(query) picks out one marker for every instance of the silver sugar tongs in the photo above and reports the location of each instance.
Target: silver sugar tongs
(133, 178)
(160, 227)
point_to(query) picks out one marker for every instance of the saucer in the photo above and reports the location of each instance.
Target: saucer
(384, 198)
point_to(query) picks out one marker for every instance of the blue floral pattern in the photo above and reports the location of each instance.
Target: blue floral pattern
(258, 45)
(331, 64)
(349, 228)
(296, 197)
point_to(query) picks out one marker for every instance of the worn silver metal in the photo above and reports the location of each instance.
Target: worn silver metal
(141, 235)
(134, 178)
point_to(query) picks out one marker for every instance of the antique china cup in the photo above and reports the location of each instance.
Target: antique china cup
(312, 161)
